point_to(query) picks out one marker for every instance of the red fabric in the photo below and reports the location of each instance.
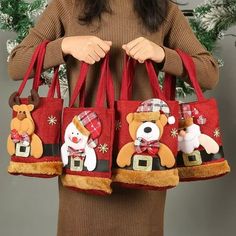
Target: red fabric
(105, 115)
(204, 111)
(143, 187)
(32, 159)
(126, 105)
(49, 108)
(203, 178)
(122, 135)
(107, 119)
(207, 108)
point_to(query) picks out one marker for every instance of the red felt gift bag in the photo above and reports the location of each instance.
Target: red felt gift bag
(146, 136)
(34, 141)
(200, 149)
(88, 134)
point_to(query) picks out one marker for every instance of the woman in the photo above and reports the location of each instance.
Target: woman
(85, 30)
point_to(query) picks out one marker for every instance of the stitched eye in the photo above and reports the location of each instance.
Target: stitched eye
(153, 121)
(72, 132)
(24, 112)
(20, 111)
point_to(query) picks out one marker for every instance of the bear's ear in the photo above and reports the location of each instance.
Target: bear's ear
(163, 119)
(130, 117)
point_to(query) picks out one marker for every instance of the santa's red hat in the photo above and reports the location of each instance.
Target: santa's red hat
(188, 111)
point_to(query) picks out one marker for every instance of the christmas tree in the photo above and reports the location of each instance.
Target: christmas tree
(209, 21)
(19, 16)
(212, 19)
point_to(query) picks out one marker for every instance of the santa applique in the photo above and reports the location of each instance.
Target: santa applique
(81, 138)
(190, 136)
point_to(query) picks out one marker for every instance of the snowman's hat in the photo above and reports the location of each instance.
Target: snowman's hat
(89, 124)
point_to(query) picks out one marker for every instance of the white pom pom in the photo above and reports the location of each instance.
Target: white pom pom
(171, 120)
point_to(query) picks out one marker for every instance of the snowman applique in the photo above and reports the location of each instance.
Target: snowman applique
(81, 138)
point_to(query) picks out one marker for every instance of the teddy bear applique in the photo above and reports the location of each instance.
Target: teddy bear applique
(146, 160)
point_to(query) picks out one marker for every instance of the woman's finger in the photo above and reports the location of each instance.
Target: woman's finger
(129, 46)
(104, 45)
(99, 51)
(89, 60)
(136, 49)
(94, 55)
(141, 55)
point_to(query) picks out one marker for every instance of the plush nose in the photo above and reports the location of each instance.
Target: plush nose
(75, 140)
(147, 130)
(21, 116)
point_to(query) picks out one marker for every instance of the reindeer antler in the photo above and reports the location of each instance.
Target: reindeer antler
(14, 99)
(34, 98)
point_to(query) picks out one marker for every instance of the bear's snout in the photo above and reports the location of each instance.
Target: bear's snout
(147, 129)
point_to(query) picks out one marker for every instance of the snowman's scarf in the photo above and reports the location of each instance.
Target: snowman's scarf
(76, 153)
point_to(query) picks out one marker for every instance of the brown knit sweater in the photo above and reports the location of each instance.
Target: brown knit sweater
(125, 212)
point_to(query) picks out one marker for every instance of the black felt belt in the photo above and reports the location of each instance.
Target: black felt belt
(156, 164)
(204, 156)
(51, 150)
(102, 166)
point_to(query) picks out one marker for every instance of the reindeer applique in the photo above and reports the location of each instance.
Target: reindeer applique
(23, 141)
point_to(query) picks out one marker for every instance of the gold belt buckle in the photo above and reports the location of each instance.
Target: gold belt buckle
(192, 159)
(76, 164)
(143, 163)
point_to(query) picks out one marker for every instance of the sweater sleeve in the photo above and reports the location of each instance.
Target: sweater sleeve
(50, 26)
(180, 35)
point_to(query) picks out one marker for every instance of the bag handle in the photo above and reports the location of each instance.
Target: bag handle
(170, 81)
(105, 87)
(80, 82)
(30, 69)
(40, 60)
(55, 85)
(128, 78)
(37, 59)
(169, 86)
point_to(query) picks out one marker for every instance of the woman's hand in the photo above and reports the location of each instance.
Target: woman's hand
(89, 49)
(142, 49)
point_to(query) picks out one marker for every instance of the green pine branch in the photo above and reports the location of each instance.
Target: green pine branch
(16, 16)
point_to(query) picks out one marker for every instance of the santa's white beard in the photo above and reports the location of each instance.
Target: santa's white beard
(188, 143)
